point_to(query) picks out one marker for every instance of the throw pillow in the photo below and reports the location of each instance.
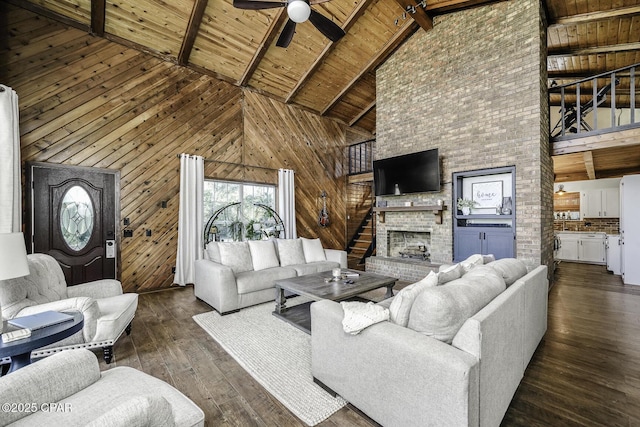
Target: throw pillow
(313, 250)
(290, 251)
(213, 252)
(401, 304)
(452, 273)
(473, 261)
(263, 254)
(486, 259)
(360, 315)
(236, 255)
(511, 269)
(440, 311)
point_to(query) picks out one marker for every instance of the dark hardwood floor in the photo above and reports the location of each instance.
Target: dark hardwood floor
(586, 371)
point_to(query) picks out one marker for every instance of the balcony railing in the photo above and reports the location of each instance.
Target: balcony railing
(361, 157)
(604, 102)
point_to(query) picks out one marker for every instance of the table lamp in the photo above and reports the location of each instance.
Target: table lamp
(13, 258)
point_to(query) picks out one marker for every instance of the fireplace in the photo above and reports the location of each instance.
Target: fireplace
(408, 244)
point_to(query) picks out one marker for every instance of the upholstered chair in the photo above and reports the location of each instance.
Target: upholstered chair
(68, 389)
(107, 311)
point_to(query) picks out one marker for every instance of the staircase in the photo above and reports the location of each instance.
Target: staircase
(362, 244)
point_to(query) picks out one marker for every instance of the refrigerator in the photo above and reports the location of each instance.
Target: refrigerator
(630, 229)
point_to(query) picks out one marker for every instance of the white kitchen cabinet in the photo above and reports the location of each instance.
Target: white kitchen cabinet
(568, 250)
(603, 203)
(582, 247)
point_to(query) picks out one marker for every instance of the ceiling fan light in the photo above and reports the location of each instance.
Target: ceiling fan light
(298, 11)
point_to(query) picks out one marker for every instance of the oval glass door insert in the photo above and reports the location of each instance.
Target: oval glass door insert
(76, 217)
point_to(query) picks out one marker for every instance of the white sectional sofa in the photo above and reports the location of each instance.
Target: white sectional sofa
(235, 275)
(452, 354)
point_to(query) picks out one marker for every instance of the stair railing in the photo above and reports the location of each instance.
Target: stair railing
(361, 157)
(581, 100)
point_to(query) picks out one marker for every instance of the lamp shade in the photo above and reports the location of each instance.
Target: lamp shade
(13, 256)
(298, 11)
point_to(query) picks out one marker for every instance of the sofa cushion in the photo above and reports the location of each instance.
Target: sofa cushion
(252, 281)
(139, 411)
(440, 311)
(236, 255)
(510, 269)
(401, 304)
(290, 252)
(213, 252)
(313, 250)
(451, 273)
(263, 254)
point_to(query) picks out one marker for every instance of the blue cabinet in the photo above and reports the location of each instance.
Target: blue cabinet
(485, 230)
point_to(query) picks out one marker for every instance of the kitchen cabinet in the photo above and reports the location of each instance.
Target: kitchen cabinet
(582, 247)
(603, 203)
(568, 250)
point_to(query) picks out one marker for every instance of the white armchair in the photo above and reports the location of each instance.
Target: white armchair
(68, 389)
(107, 311)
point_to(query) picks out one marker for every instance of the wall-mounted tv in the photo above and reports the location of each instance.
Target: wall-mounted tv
(410, 173)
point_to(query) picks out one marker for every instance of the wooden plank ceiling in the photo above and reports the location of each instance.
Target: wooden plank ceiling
(586, 38)
(337, 80)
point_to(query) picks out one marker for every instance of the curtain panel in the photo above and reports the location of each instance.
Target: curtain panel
(287, 201)
(10, 170)
(190, 221)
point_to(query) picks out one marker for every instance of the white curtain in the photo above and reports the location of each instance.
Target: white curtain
(10, 170)
(287, 201)
(189, 218)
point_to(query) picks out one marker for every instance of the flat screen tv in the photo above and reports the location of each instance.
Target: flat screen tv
(410, 173)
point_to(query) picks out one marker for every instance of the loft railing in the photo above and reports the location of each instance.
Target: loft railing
(361, 157)
(604, 102)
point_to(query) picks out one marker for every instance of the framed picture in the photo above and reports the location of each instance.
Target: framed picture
(487, 194)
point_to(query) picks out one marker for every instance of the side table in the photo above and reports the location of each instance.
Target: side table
(20, 350)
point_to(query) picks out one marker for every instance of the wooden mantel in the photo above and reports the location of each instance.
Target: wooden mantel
(437, 210)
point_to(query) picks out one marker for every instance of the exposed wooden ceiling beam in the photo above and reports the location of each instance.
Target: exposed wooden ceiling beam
(588, 164)
(417, 13)
(98, 17)
(409, 27)
(192, 30)
(357, 12)
(596, 16)
(261, 51)
(363, 113)
(623, 47)
(437, 7)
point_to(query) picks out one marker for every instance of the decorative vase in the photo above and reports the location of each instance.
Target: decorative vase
(466, 210)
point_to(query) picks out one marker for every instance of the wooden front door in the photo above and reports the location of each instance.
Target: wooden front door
(72, 217)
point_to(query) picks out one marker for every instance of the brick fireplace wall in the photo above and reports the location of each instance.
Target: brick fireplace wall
(475, 88)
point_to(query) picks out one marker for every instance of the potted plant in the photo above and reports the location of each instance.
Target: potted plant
(465, 205)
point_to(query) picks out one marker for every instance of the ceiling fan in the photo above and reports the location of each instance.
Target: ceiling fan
(299, 11)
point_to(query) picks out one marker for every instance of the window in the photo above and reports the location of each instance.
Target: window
(241, 217)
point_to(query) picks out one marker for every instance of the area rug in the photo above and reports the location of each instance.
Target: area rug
(276, 354)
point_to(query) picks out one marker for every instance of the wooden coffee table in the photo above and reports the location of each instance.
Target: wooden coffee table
(316, 287)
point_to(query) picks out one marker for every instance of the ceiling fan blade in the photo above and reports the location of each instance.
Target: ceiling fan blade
(256, 5)
(326, 26)
(287, 34)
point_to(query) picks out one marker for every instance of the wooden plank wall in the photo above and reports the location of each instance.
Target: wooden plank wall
(90, 102)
